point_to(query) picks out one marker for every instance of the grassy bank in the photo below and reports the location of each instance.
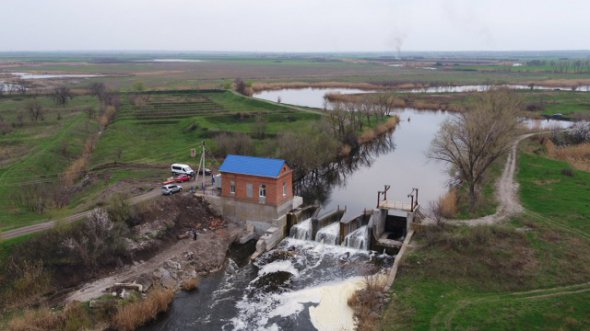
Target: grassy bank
(35, 153)
(529, 273)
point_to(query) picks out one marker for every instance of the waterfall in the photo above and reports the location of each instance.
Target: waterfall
(329, 234)
(358, 238)
(301, 230)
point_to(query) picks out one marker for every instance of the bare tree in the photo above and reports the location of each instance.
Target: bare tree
(259, 127)
(20, 120)
(35, 110)
(473, 140)
(97, 89)
(241, 86)
(61, 95)
(90, 111)
(21, 86)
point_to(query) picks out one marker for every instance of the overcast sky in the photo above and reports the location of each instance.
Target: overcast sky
(294, 25)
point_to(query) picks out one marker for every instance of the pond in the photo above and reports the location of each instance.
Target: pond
(28, 75)
(306, 97)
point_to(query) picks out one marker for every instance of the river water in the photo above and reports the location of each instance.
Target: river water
(398, 159)
(300, 285)
(401, 163)
(481, 88)
(306, 97)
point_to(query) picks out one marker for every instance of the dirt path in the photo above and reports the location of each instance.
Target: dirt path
(48, 224)
(207, 254)
(506, 193)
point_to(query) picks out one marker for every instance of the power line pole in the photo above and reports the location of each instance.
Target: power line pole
(201, 165)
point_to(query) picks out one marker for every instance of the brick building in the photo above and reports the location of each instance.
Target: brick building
(256, 180)
(256, 190)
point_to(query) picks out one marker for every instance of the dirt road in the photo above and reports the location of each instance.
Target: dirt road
(48, 224)
(506, 193)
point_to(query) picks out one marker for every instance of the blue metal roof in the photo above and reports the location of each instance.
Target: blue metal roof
(251, 165)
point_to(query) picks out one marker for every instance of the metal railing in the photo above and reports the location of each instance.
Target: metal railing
(388, 204)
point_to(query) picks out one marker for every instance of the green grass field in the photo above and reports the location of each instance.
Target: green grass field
(532, 273)
(38, 152)
(163, 135)
(146, 138)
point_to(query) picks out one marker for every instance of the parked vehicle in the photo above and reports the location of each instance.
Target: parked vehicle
(171, 189)
(205, 171)
(182, 169)
(182, 178)
(170, 180)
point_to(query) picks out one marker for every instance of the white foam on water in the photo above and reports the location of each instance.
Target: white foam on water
(321, 248)
(301, 230)
(358, 238)
(329, 234)
(331, 310)
(277, 266)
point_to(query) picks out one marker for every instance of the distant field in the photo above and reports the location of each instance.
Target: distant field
(213, 72)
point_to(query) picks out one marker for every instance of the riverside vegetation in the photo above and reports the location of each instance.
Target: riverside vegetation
(528, 273)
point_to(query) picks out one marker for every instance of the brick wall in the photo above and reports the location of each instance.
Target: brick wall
(274, 187)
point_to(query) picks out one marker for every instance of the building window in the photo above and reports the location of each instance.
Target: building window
(262, 191)
(249, 190)
(232, 187)
(284, 189)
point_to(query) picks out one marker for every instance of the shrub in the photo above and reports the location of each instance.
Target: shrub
(118, 208)
(40, 319)
(34, 197)
(33, 279)
(567, 172)
(233, 143)
(368, 302)
(73, 317)
(448, 204)
(190, 284)
(135, 314)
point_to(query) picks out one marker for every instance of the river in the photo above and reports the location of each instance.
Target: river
(304, 284)
(300, 285)
(482, 88)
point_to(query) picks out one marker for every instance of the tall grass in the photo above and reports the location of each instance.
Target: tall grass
(72, 318)
(136, 314)
(448, 204)
(190, 284)
(578, 156)
(368, 303)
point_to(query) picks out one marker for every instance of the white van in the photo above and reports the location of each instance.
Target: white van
(180, 169)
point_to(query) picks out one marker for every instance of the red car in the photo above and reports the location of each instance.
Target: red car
(183, 178)
(179, 179)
